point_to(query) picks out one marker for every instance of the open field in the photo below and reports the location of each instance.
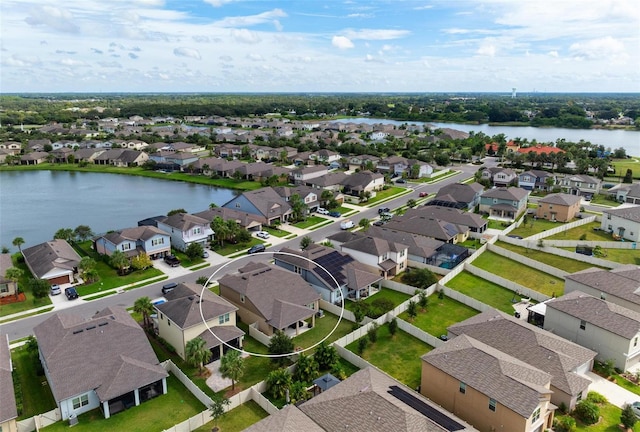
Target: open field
(621, 166)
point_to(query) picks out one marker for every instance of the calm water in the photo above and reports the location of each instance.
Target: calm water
(629, 140)
(35, 204)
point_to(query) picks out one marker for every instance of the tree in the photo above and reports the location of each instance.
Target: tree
(326, 356)
(278, 381)
(627, 417)
(372, 333)
(232, 366)
(13, 274)
(141, 261)
(362, 345)
(196, 352)
(144, 307)
(587, 411)
(364, 223)
(280, 344)
(82, 232)
(298, 392)
(64, 234)
(298, 207)
(306, 369)
(393, 326)
(423, 300)
(628, 177)
(305, 242)
(18, 242)
(119, 261)
(412, 309)
(218, 408)
(221, 229)
(442, 159)
(87, 269)
(419, 278)
(39, 287)
(194, 251)
(564, 424)
(360, 310)
(176, 211)
(411, 203)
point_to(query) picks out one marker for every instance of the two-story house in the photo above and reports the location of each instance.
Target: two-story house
(263, 202)
(623, 222)
(618, 285)
(363, 181)
(325, 156)
(559, 207)
(185, 229)
(133, 241)
(534, 180)
(308, 195)
(301, 175)
(398, 166)
(499, 177)
(581, 184)
(458, 195)
(504, 203)
(626, 193)
(389, 256)
(179, 320)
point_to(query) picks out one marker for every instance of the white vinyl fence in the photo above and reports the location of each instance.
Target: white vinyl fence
(561, 228)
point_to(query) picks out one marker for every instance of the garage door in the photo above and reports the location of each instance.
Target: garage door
(60, 280)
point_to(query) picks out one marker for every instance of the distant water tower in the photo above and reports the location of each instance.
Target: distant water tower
(513, 93)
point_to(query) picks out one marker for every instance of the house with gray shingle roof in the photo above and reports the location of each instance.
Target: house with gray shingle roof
(565, 361)
(611, 330)
(8, 407)
(54, 261)
(389, 256)
(179, 320)
(7, 286)
(271, 297)
(620, 285)
(363, 181)
(580, 184)
(486, 387)
(34, 158)
(185, 229)
(458, 195)
(102, 362)
(626, 193)
(503, 202)
(624, 222)
(121, 158)
(135, 241)
(245, 220)
(301, 175)
(263, 202)
(559, 207)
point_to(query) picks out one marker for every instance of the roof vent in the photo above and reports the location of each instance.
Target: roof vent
(103, 324)
(91, 328)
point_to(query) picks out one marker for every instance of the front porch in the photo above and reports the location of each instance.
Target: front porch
(133, 398)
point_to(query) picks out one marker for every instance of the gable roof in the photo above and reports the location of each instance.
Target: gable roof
(245, 219)
(622, 282)
(288, 419)
(628, 213)
(47, 256)
(330, 179)
(422, 223)
(267, 201)
(8, 408)
(360, 180)
(144, 233)
(374, 245)
(608, 316)
(459, 192)
(548, 352)
(184, 302)
(108, 353)
(184, 221)
(419, 245)
(512, 382)
(503, 193)
(561, 199)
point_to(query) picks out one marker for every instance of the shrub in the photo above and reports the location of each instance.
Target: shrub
(379, 307)
(596, 398)
(393, 326)
(362, 345)
(564, 424)
(587, 412)
(372, 333)
(562, 407)
(627, 417)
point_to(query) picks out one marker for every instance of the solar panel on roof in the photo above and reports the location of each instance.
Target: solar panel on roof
(428, 411)
(334, 263)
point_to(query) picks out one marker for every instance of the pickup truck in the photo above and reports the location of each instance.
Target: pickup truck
(172, 260)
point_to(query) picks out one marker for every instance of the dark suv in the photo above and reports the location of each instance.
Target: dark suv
(256, 248)
(71, 293)
(172, 260)
(168, 287)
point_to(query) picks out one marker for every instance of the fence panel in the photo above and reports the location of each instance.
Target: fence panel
(512, 286)
(562, 228)
(352, 358)
(169, 366)
(419, 333)
(437, 270)
(528, 261)
(258, 335)
(27, 425)
(465, 299)
(264, 403)
(335, 309)
(400, 287)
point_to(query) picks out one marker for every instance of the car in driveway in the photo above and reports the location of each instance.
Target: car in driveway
(263, 234)
(322, 211)
(401, 181)
(55, 290)
(335, 214)
(166, 288)
(256, 248)
(172, 260)
(71, 293)
(205, 254)
(635, 407)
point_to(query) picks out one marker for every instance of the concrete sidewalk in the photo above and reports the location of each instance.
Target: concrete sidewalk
(615, 394)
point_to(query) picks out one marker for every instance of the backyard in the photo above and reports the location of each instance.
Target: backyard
(440, 314)
(385, 295)
(237, 419)
(534, 226)
(322, 328)
(397, 355)
(524, 275)
(609, 420)
(566, 264)
(31, 384)
(484, 291)
(590, 232)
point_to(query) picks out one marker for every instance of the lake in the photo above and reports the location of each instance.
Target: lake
(35, 204)
(613, 138)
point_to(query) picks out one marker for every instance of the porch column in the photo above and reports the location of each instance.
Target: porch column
(313, 319)
(164, 386)
(297, 328)
(136, 396)
(105, 409)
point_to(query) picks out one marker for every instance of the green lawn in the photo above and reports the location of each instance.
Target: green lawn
(36, 397)
(322, 328)
(275, 231)
(399, 356)
(345, 210)
(621, 166)
(495, 224)
(434, 179)
(30, 302)
(524, 275)
(229, 248)
(395, 297)
(156, 414)
(440, 314)
(310, 221)
(623, 256)
(566, 264)
(482, 290)
(238, 418)
(583, 230)
(605, 199)
(256, 368)
(609, 422)
(385, 194)
(534, 226)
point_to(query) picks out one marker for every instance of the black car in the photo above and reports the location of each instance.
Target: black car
(168, 287)
(401, 180)
(335, 214)
(378, 223)
(384, 210)
(172, 260)
(256, 248)
(71, 293)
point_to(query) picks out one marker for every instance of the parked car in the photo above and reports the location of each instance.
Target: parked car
(71, 293)
(55, 290)
(385, 217)
(346, 224)
(423, 194)
(322, 211)
(401, 181)
(172, 260)
(168, 287)
(205, 254)
(378, 223)
(635, 407)
(256, 248)
(384, 210)
(335, 214)
(263, 234)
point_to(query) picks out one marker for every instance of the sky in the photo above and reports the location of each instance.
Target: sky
(319, 46)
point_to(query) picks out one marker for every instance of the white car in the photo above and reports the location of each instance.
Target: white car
(322, 211)
(263, 234)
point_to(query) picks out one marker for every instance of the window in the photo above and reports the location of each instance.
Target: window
(535, 416)
(583, 324)
(579, 398)
(463, 388)
(197, 230)
(4, 288)
(157, 242)
(126, 246)
(223, 318)
(80, 401)
(237, 205)
(402, 252)
(492, 405)
(608, 216)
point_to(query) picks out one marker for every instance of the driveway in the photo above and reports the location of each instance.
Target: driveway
(613, 392)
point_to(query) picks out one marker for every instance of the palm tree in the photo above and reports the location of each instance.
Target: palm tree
(119, 260)
(18, 242)
(64, 234)
(278, 382)
(232, 366)
(144, 306)
(14, 274)
(197, 353)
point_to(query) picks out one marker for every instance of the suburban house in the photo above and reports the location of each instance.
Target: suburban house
(558, 207)
(308, 195)
(325, 156)
(458, 195)
(580, 184)
(565, 361)
(121, 158)
(8, 407)
(179, 321)
(87, 154)
(504, 203)
(455, 216)
(363, 181)
(487, 388)
(246, 220)
(271, 298)
(623, 222)
(301, 175)
(185, 229)
(363, 162)
(534, 180)
(398, 165)
(499, 177)
(610, 330)
(171, 160)
(619, 285)
(34, 158)
(103, 362)
(355, 279)
(8, 287)
(332, 181)
(134, 241)
(626, 193)
(369, 400)
(263, 202)
(55, 261)
(389, 256)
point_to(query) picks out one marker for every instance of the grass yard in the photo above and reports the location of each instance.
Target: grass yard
(238, 418)
(109, 279)
(534, 226)
(156, 414)
(586, 230)
(440, 314)
(276, 232)
(435, 179)
(345, 210)
(482, 290)
(322, 328)
(36, 397)
(385, 194)
(623, 256)
(399, 356)
(229, 248)
(498, 225)
(30, 303)
(311, 221)
(610, 418)
(524, 275)
(605, 199)
(566, 264)
(394, 297)
(621, 166)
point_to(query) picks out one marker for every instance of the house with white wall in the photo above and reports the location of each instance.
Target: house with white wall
(623, 222)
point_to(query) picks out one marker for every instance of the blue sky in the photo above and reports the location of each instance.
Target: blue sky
(319, 46)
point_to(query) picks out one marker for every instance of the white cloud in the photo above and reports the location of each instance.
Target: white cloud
(255, 57)
(72, 62)
(375, 34)
(597, 48)
(218, 3)
(487, 49)
(245, 36)
(371, 59)
(187, 52)
(20, 61)
(341, 42)
(251, 20)
(112, 64)
(226, 58)
(425, 7)
(58, 19)
(552, 53)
